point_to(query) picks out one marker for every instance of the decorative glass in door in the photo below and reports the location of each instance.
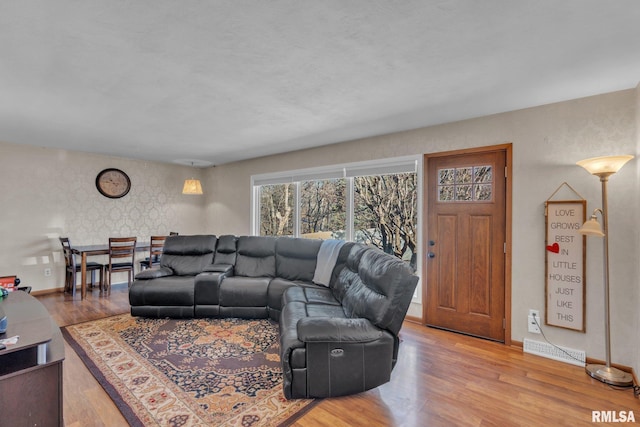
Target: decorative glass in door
(465, 184)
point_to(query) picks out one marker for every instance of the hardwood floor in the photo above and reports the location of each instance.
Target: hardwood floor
(441, 379)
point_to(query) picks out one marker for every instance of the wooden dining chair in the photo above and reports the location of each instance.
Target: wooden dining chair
(72, 268)
(156, 246)
(122, 252)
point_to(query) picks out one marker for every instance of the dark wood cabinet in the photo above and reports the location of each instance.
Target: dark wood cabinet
(31, 369)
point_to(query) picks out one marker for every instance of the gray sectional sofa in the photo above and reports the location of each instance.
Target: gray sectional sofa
(340, 306)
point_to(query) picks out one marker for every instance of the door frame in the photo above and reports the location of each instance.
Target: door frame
(508, 150)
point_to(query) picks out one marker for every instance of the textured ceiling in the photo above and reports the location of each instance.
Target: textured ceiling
(219, 81)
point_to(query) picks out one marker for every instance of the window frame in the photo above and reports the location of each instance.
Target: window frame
(343, 171)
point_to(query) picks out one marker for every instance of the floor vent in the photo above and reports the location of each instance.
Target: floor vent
(563, 354)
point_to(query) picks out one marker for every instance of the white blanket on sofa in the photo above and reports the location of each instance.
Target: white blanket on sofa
(327, 256)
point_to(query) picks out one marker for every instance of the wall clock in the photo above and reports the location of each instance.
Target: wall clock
(113, 183)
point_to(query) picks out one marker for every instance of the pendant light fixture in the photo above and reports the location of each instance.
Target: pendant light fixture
(192, 186)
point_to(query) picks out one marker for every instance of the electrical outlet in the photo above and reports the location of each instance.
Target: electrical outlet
(533, 321)
(47, 272)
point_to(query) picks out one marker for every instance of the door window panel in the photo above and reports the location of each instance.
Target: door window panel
(465, 184)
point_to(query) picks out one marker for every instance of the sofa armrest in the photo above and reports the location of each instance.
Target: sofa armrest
(154, 273)
(331, 329)
(219, 268)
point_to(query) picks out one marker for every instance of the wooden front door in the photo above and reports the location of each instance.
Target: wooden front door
(466, 229)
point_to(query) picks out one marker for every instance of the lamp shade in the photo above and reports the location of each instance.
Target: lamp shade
(591, 228)
(604, 166)
(192, 186)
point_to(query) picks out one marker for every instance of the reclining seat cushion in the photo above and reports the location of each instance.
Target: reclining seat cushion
(346, 268)
(295, 264)
(381, 291)
(240, 291)
(188, 255)
(163, 291)
(296, 258)
(256, 256)
(170, 296)
(245, 293)
(244, 297)
(319, 294)
(309, 295)
(277, 289)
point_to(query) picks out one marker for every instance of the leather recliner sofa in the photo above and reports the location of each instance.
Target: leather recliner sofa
(339, 306)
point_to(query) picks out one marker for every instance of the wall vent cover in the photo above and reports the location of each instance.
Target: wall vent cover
(562, 354)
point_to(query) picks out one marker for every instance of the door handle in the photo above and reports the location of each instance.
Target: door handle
(431, 255)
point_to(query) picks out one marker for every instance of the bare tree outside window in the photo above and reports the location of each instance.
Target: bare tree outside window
(276, 204)
(386, 214)
(385, 211)
(322, 208)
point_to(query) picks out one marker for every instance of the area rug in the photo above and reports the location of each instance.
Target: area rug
(196, 372)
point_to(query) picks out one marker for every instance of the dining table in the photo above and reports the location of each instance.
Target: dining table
(92, 250)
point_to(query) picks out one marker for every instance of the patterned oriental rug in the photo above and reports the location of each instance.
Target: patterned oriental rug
(196, 372)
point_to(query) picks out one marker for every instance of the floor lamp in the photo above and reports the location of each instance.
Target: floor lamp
(604, 167)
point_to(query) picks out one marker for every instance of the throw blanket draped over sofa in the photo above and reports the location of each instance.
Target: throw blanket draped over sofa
(340, 306)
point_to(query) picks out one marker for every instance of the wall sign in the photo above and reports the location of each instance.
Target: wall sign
(565, 264)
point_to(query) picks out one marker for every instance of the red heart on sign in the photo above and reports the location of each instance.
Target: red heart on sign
(555, 248)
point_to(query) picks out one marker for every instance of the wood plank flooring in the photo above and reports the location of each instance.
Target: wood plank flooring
(441, 379)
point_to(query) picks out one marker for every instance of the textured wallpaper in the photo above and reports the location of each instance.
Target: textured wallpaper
(48, 193)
